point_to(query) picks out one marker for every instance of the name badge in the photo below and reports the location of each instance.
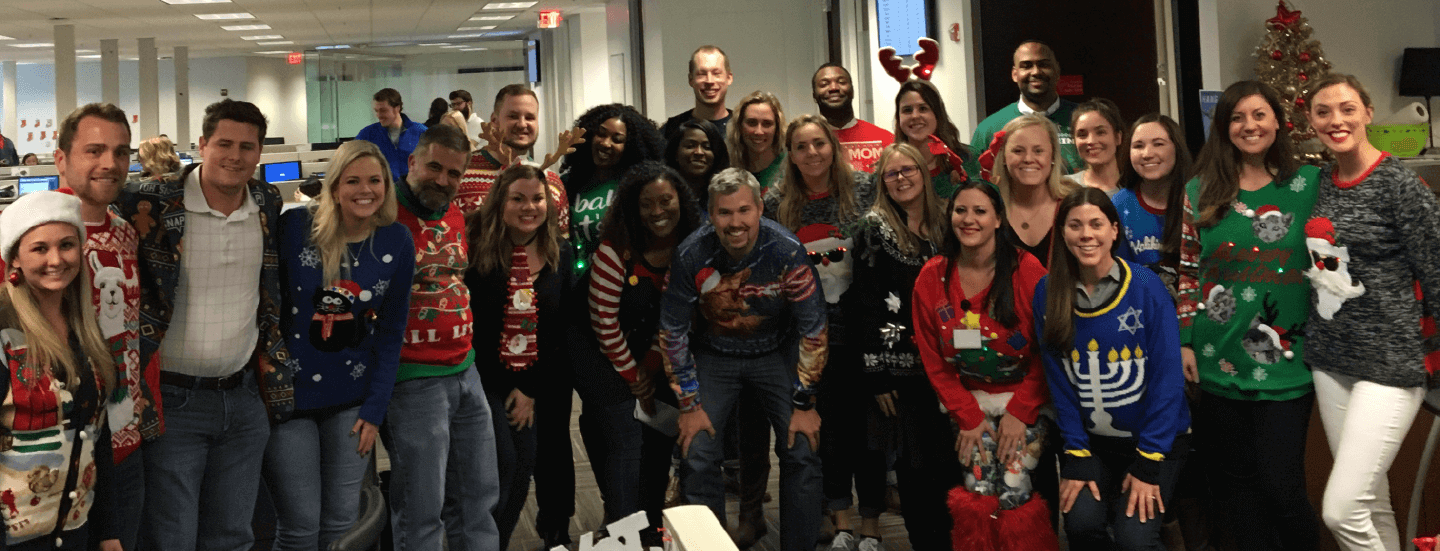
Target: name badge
(967, 339)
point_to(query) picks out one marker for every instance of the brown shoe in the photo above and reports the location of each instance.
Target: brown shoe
(673, 495)
(748, 531)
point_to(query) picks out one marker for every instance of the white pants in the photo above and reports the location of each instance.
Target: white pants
(1365, 423)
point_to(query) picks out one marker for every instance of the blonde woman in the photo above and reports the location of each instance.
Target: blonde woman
(456, 119)
(348, 267)
(158, 158)
(757, 142)
(1028, 174)
(58, 369)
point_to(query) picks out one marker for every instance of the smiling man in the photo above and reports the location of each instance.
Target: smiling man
(517, 115)
(393, 132)
(710, 77)
(835, 97)
(755, 291)
(209, 313)
(1035, 72)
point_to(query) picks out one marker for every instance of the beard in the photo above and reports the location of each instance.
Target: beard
(1336, 283)
(433, 196)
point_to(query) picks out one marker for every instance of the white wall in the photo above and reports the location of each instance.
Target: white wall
(278, 89)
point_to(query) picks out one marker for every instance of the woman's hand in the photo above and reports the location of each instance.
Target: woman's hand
(1192, 368)
(887, 402)
(1070, 489)
(520, 410)
(1010, 440)
(367, 432)
(1144, 497)
(970, 440)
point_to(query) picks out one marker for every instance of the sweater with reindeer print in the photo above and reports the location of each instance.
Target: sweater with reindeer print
(1243, 295)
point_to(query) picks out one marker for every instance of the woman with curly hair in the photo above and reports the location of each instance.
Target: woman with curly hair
(617, 137)
(697, 151)
(620, 365)
(158, 158)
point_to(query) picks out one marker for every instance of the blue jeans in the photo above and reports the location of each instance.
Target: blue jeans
(441, 442)
(721, 380)
(202, 475)
(314, 475)
(514, 463)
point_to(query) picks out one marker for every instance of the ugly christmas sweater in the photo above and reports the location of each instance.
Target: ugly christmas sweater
(1007, 358)
(1370, 239)
(1121, 377)
(480, 175)
(1243, 296)
(622, 334)
(828, 239)
(879, 304)
(345, 336)
(588, 204)
(437, 336)
(746, 308)
(862, 143)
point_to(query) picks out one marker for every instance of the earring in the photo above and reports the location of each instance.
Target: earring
(16, 278)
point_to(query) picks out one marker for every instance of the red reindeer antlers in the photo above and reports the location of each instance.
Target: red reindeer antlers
(926, 59)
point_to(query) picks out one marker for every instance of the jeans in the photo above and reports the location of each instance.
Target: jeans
(441, 442)
(314, 475)
(514, 463)
(1257, 455)
(1365, 423)
(128, 486)
(203, 474)
(1088, 519)
(721, 380)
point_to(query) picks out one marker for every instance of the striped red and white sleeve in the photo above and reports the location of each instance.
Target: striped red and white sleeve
(607, 279)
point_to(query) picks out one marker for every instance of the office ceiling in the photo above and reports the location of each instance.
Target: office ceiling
(372, 25)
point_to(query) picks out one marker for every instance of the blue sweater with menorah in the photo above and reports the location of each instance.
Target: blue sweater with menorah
(1122, 378)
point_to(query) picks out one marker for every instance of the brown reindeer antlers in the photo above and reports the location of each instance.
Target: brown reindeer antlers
(566, 145)
(494, 136)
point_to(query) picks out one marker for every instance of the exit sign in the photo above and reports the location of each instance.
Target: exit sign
(295, 58)
(549, 19)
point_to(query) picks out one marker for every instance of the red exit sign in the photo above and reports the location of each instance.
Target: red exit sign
(549, 19)
(295, 58)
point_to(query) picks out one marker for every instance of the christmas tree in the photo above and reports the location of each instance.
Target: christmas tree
(1288, 60)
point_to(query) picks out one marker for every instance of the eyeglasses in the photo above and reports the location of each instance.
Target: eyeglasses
(835, 255)
(893, 175)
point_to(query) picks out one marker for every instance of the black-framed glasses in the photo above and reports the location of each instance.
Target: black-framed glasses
(905, 171)
(834, 255)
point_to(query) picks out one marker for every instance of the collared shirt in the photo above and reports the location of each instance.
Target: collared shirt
(1105, 289)
(1025, 108)
(213, 331)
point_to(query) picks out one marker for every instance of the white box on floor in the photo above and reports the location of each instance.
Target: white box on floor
(695, 528)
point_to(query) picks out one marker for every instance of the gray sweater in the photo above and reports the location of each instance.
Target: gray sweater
(1389, 224)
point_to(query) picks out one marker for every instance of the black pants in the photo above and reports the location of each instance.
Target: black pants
(925, 467)
(554, 458)
(1090, 524)
(844, 405)
(1257, 464)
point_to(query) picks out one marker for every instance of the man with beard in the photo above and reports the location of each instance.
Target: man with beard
(835, 95)
(710, 77)
(462, 101)
(393, 132)
(755, 291)
(438, 430)
(517, 116)
(1035, 72)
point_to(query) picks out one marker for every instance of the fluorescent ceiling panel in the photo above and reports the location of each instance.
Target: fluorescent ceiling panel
(223, 16)
(253, 27)
(508, 5)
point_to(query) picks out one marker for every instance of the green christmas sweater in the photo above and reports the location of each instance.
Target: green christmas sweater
(1244, 299)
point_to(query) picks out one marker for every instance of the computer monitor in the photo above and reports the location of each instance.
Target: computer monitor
(185, 161)
(274, 140)
(280, 172)
(136, 167)
(38, 183)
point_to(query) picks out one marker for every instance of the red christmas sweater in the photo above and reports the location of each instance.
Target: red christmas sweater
(437, 337)
(1009, 359)
(862, 143)
(482, 172)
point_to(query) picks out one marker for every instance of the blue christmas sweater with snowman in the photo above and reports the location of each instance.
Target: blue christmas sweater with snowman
(345, 337)
(1122, 376)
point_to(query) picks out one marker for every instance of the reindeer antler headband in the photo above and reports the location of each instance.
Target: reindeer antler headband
(925, 59)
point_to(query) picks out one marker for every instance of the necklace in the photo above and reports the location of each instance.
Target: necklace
(1025, 222)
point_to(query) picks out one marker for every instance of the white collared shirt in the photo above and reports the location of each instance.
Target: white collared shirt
(1026, 110)
(213, 331)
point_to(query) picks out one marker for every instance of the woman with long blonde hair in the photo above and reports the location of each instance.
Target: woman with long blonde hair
(1028, 174)
(757, 141)
(349, 266)
(58, 371)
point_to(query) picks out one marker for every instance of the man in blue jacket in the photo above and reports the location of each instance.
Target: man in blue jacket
(395, 134)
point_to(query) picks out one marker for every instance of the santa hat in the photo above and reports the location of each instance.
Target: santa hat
(1209, 294)
(1274, 333)
(1320, 228)
(348, 289)
(816, 232)
(1267, 210)
(35, 209)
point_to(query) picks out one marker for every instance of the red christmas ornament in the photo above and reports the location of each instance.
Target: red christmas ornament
(1277, 55)
(1289, 125)
(1304, 57)
(1283, 16)
(1300, 102)
(1302, 77)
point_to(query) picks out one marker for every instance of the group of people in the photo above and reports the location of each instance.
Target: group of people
(978, 314)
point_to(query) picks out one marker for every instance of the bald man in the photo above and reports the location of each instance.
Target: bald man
(1035, 72)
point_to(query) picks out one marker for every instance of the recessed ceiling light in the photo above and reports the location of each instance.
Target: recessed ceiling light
(34, 45)
(220, 16)
(275, 43)
(472, 49)
(85, 51)
(335, 47)
(508, 5)
(88, 57)
(454, 46)
(492, 18)
(483, 28)
(254, 27)
(270, 52)
(182, 2)
(6, 38)
(434, 44)
(262, 37)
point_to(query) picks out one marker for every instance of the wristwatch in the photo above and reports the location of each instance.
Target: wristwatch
(803, 402)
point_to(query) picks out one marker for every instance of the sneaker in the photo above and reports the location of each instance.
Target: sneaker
(869, 543)
(844, 541)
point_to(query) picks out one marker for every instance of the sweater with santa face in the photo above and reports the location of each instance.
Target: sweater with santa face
(1369, 240)
(1243, 295)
